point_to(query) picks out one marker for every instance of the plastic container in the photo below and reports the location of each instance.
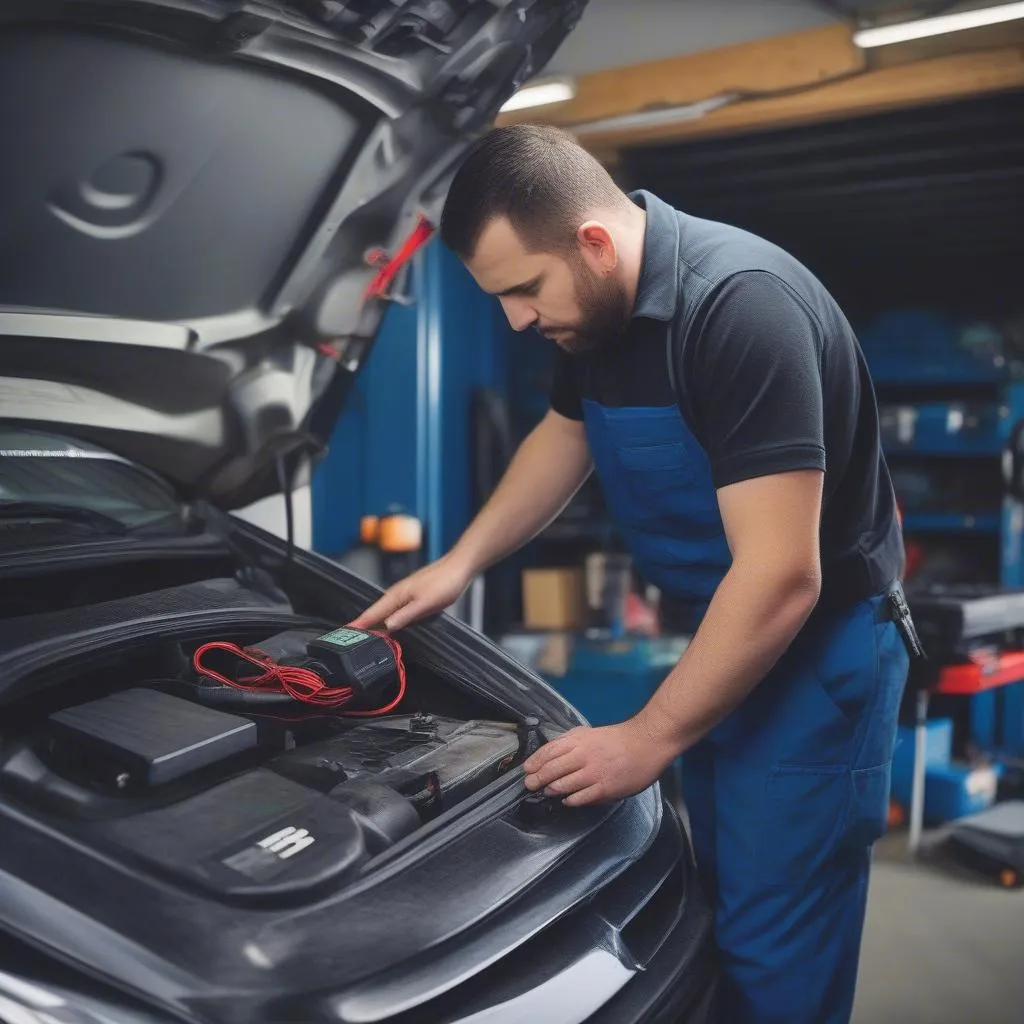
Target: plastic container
(958, 790)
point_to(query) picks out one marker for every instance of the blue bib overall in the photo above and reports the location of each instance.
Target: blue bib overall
(785, 796)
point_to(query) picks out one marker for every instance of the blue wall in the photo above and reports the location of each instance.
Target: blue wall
(403, 438)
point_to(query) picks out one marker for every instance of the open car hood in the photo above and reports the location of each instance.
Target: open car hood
(199, 197)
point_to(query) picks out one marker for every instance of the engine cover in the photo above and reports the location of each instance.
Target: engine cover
(281, 829)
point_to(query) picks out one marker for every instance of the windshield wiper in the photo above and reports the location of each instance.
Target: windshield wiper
(99, 521)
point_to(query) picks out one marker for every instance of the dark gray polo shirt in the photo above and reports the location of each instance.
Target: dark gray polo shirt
(770, 378)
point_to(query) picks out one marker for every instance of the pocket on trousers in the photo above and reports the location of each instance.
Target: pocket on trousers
(869, 813)
(805, 810)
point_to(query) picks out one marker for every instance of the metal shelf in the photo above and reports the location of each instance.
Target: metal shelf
(951, 522)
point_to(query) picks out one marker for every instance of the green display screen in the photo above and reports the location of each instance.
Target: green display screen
(344, 637)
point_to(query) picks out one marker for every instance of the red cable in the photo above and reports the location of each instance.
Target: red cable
(302, 684)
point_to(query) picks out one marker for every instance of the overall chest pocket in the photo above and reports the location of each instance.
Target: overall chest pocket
(659, 482)
(658, 464)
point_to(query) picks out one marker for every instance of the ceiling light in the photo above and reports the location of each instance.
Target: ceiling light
(886, 35)
(541, 94)
(664, 117)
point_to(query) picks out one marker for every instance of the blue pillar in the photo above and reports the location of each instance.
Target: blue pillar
(403, 438)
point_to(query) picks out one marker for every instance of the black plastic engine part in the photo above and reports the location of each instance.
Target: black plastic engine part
(435, 762)
(143, 738)
(286, 648)
(257, 836)
(352, 657)
(383, 814)
(363, 662)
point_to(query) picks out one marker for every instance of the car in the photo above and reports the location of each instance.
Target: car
(206, 207)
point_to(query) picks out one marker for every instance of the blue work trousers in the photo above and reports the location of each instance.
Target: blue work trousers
(786, 798)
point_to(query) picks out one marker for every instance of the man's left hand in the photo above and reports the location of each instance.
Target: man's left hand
(588, 766)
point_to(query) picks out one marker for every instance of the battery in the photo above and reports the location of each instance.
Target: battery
(352, 657)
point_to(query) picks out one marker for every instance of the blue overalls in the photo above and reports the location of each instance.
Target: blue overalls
(788, 793)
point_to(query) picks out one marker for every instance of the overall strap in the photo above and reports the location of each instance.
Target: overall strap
(672, 333)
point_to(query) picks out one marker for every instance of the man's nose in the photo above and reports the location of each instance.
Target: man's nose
(520, 314)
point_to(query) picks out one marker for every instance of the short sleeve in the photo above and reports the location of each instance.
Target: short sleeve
(565, 391)
(753, 374)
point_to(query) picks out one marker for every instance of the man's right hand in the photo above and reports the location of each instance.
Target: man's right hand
(548, 469)
(432, 589)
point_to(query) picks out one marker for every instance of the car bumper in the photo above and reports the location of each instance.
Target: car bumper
(679, 986)
(639, 950)
(625, 959)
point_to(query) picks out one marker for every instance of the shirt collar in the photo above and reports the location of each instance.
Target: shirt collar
(658, 290)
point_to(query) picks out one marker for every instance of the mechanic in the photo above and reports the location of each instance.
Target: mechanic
(722, 398)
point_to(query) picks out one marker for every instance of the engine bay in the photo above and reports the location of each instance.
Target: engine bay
(229, 782)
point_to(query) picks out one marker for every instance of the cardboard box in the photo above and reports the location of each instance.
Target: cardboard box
(553, 599)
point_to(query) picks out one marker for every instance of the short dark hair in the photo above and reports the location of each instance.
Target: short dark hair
(537, 176)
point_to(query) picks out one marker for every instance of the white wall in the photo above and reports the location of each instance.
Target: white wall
(614, 33)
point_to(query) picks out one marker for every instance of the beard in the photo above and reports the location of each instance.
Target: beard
(604, 314)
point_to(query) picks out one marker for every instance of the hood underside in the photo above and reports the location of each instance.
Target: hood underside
(197, 194)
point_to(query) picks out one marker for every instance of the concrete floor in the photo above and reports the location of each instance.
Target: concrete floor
(940, 946)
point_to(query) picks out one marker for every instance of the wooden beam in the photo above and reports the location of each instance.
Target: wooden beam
(765, 65)
(910, 85)
(819, 76)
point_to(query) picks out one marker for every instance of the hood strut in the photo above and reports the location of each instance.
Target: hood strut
(390, 266)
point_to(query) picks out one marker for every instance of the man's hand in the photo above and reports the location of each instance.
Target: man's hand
(433, 589)
(587, 766)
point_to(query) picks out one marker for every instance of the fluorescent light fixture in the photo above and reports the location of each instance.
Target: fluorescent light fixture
(886, 35)
(661, 118)
(541, 94)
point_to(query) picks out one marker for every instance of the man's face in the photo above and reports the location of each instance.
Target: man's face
(566, 298)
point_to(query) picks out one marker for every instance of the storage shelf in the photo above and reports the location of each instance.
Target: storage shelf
(951, 522)
(922, 375)
(995, 451)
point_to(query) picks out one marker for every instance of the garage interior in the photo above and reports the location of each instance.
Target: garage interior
(896, 173)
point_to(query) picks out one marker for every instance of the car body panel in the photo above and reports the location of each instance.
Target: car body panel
(203, 192)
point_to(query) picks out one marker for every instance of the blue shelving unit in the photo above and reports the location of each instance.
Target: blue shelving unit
(948, 401)
(949, 398)
(403, 438)
(951, 522)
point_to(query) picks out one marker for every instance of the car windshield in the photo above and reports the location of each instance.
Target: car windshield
(53, 483)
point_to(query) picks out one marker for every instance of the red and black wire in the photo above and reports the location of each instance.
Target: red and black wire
(299, 682)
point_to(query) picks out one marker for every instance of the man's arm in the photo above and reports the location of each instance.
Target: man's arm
(757, 610)
(547, 470)
(756, 380)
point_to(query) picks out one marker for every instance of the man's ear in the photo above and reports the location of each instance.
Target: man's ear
(598, 247)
